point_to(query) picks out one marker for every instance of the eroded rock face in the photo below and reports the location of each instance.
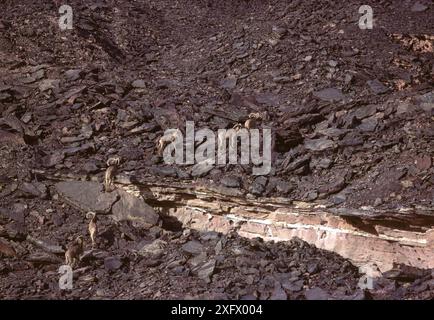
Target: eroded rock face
(359, 235)
(331, 233)
(362, 236)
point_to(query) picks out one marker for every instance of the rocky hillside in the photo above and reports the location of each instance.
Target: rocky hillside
(350, 111)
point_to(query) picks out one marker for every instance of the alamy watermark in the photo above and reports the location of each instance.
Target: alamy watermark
(65, 20)
(366, 21)
(218, 148)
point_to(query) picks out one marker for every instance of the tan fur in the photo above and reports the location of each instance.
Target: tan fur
(74, 251)
(259, 115)
(113, 164)
(93, 228)
(164, 141)
(250, 124)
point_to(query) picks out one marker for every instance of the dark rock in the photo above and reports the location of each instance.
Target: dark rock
(281, 79)
(112, 263)
(350, 121)
(378, 202)
(42, 258)
(365, 111)
(351, 139)
(90, 167)
(312, 195)
(209, 235)
(319, 144)
(419, 7)
(48, 84)
(287, 139)
(152, 263)
(333, 132)
(313, 267)
(329, 94)
(53, 159)
(198, 260)
(334, 186)
(316, 294)
(323, 163)
(268, 99)
(258, 186)
(377, 87)
(182, 174)
(66, 140)
(16, 230)
(138, 84)
(193, 247)
(164, 171)
(358, 295)
(405, 107)
(73, 74)
(283, 186)
(405, 273)
(10, 137)
(51, 248)
(279, 31)
(333, 63)
(423, 163)
(202, 168)
(18, 212)
(58, 219)
(426, 102)
(231, 182)
(297, 164)
(339, 198)
(293, 285)
(6, 249)
(35, 189)
(278, 293)
(145, 127)
(155, 232)
(368, 125)
(229, 83)
(81, 149)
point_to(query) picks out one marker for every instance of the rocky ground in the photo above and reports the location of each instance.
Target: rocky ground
(351, 112)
